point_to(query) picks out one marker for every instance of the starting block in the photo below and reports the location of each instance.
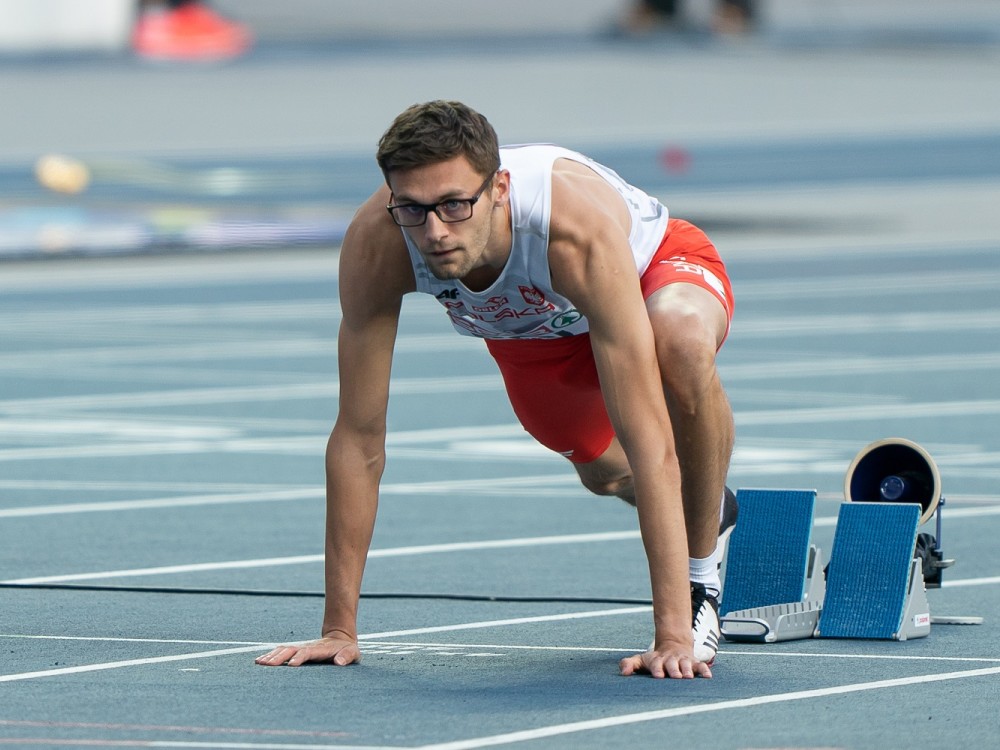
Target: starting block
(776, 590)
(875, 587)
(880, 567)
(774, 585)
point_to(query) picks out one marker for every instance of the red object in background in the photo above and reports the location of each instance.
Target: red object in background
(675, 159)
(191, 32)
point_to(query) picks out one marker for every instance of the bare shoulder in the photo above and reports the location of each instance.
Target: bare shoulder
(375, 267)
(583, 201)
(588, 228)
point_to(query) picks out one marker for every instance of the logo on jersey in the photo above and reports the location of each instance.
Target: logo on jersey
(532, 295)
(566, 319)
(493, 304)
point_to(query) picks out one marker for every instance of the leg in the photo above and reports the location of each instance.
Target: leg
(689, 324)
(645, 16)
(609, 474)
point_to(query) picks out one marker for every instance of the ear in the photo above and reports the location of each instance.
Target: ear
(501, 188)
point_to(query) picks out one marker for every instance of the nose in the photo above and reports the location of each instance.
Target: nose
(435, 229)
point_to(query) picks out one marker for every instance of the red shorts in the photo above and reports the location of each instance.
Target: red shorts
(552, 383)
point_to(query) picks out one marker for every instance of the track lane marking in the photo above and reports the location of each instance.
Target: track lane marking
(423, 549)
(555, 730)
(85, 668)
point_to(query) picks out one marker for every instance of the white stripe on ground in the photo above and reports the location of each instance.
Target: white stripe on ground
(670, 713)
(387, 634)
(423, 549)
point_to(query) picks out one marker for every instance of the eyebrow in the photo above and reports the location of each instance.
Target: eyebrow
(458, 193)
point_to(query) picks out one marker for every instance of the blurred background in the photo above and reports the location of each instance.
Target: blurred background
(252, 123)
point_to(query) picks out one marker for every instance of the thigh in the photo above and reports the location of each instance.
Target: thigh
(555, 392)
(687, 271)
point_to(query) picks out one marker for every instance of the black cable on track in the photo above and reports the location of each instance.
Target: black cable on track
(320, 594)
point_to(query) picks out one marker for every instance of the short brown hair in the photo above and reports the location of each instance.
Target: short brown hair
(437, 131)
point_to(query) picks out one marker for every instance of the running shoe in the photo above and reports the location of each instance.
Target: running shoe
(705, 623)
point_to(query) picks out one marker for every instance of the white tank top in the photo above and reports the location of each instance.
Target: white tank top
(521, 302)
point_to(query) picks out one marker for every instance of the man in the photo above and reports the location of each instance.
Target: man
(732, 17)
(604, 317)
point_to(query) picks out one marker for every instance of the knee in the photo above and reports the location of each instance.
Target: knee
(602, 485)
(620, 487)
(685, 349)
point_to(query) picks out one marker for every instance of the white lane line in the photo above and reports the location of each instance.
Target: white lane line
(556, 730)
(191, 744)
(963, 582)
(815, 368)
(173, 397)
(535, 484)
(101, 639)
(218, 351)
(160, 448)
(842, 324)
(763, 653)
(240, 313)
(491, 381)
(530, 541)
(372, 640)
(111, 485)
(506, 622)
(368, 636)
(500, 484)
(121, 429)
(172, 569)
(117, 506)
(934, 282)
(313, 444)
(188, 744)
(299, 445)
(422, 549)
(162, 272)
(927, 410)
(125, 663)
(238, 394)
(949, 513)
(882, 657)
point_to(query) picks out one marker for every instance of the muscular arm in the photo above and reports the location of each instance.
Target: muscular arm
(592, 265)
(375, 273)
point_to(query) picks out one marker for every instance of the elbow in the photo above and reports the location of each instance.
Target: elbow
(362, 453)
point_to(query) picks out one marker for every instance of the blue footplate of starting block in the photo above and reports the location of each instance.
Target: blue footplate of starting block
(769, 549)
(870, 575)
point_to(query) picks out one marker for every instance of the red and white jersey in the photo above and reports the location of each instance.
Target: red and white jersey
(521, 303)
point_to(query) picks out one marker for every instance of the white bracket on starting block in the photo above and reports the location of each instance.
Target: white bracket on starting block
(781, 622)
(778, 622)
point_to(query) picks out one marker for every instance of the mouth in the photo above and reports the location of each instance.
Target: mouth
(442, 252)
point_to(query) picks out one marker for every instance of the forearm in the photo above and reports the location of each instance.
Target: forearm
(661, 524)
(353, 475)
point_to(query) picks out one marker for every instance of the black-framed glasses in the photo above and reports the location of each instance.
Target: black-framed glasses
(450, 211)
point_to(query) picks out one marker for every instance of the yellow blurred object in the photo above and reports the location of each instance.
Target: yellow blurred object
(62, 174)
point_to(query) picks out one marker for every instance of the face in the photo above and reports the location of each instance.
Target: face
(456, 250)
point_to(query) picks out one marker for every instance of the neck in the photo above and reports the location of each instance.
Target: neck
(497, 252)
